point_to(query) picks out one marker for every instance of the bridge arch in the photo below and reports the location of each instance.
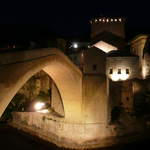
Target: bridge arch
(25, 64)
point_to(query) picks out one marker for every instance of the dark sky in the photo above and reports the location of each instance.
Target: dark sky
(71, 18)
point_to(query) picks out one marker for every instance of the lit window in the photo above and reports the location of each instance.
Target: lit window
(119, 71)
(127, 71)
(95, 20)
(103, 20)
(94, 67)
(107, 20)
(111, 71)
(100, 19)
(115, 20)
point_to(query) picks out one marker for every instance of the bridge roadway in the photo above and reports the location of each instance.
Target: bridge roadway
(11, 138)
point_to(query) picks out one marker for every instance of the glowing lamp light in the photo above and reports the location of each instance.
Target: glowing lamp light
(144, 72)
(75, 45)
(39, 105)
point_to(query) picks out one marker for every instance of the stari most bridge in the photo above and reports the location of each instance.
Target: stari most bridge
(84, 97)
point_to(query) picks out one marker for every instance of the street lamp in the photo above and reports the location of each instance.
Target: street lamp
(39, 105)
(75, 45)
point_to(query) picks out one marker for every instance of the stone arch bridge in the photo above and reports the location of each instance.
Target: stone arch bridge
(84, 96)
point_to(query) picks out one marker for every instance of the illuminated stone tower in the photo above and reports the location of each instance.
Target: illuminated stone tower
(111, 25)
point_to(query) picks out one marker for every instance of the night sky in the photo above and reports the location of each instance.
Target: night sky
(71, 18)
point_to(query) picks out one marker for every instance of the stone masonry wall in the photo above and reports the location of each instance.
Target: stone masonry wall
(55, 130)
(71, 135)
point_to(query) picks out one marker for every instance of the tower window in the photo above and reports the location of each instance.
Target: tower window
(94, 67)
(119, 71)
(127, 71)
(111, 71)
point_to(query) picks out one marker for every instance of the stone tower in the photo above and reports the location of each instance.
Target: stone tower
(107, 24)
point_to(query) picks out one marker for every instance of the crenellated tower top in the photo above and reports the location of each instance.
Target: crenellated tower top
(114, 25)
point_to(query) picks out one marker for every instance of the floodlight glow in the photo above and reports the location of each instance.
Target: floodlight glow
(119, 77)
(39, 106)
(43, 111)
(124, 76)
(115, 77)
(144, 70)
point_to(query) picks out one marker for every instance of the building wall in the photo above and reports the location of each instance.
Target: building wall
(137, 46)
(123, 63)
(127, 96)
(121, 95)
(113, 25)
(64, 134)
(94, 61)
(114, 94)
(95, 104)
(146, 65)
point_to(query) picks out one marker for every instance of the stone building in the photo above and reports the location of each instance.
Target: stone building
(111, 55)
(121, 64)
(140, 47)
